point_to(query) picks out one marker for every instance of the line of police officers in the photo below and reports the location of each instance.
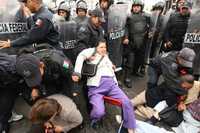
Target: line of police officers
(71, 36)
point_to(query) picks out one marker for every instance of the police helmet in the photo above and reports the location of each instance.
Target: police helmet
(139, 3)
(64, 6)
(159, 5)
(179, 3)
(187, 5)
(81, 5)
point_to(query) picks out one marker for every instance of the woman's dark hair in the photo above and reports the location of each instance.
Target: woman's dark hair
(100, 40)
(44, 109)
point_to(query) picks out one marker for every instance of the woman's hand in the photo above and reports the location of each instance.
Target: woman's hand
(126, 41)
(58, 129)
(75, 78)
(34, 94)
(181, 106)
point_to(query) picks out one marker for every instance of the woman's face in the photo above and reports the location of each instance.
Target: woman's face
(101, 48)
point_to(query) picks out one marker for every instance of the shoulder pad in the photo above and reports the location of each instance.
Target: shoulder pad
(82, 29)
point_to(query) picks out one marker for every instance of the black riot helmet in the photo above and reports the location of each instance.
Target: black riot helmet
(81, 5)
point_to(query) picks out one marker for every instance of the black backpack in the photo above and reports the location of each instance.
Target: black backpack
(54, 56)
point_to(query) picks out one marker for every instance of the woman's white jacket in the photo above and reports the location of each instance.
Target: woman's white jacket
(105, 68)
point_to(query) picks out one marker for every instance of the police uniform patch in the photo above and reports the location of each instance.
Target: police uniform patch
(39, 22)
(82, 29)
(66, 64)
(165, 55)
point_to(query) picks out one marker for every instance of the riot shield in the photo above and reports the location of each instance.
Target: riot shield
(192, 36)
(117, 15)
(68, 38)
(12, 22)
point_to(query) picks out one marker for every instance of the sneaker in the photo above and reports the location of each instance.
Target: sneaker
(118, 118)
(15, 117)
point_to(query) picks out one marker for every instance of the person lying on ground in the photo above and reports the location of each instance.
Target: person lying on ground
(147, 100)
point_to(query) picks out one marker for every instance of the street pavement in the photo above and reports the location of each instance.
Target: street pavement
(109, 124)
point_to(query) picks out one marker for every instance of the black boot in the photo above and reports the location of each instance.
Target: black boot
(143, 70)
(140, 72)
(128, 80)
(96, 124)
(128, 83)
(153, 120)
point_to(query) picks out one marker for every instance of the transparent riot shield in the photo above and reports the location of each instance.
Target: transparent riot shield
(68, 38)
(192, 36)
(12, 21)
(117, 15)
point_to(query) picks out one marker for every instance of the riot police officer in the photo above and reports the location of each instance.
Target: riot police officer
(67, 29)
(176, 28)
(63, 12)
(157, 18)
(114, 27)
(87, 36)
(42, 28)
(16, 72)
(104, 5)
(138, 25)
(81, 11)
(56, 70)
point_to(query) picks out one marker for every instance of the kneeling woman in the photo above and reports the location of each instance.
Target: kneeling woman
(104, 83)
